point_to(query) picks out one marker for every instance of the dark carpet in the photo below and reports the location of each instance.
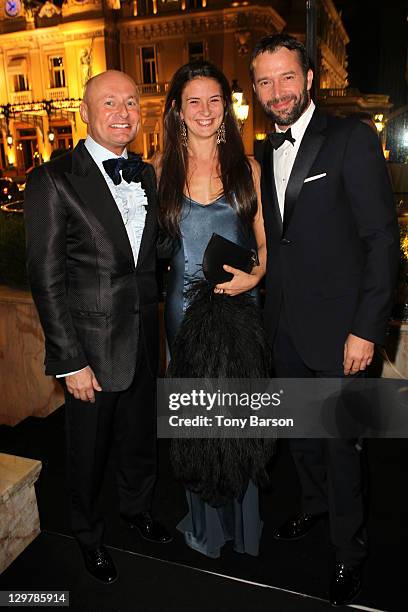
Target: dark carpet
(168, 581)
(145, 584)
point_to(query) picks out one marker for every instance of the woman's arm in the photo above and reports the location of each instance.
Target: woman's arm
(242, 281)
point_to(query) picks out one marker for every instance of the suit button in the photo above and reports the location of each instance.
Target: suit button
(285, 241)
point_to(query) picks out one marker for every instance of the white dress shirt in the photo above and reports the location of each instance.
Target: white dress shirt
(130, 199)
(284, 157)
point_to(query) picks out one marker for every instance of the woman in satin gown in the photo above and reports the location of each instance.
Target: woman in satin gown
(206, 185)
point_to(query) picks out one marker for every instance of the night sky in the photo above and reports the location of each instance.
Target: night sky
(362, 22)
(378, 46)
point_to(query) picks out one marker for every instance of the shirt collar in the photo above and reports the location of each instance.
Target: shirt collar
(99, 153)
(299, 127)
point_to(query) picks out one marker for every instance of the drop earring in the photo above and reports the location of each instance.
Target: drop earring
(221, 136)
(183, 133)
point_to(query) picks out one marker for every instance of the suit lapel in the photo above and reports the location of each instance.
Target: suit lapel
(269, 181)
(308, 150)
(93, 191)
(148, 183)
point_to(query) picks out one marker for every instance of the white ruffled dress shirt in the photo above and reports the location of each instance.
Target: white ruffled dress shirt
(130, 198)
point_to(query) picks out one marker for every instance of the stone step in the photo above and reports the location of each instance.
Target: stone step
(19, 520)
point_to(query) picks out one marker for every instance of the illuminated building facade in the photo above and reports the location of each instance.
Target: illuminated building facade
(46, 56)
(48, 52)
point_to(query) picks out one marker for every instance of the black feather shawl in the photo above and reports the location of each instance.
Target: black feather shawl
(220, 337)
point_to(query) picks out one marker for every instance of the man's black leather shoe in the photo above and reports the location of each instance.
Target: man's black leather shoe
(345, 584)
(99, 564)
(148, 528)
(297, 527)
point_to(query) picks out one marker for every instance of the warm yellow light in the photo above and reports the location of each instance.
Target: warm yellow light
(11, 158)
(260, 136)
(379, 122)
(237, 98)
(242, 112)
(404, 246)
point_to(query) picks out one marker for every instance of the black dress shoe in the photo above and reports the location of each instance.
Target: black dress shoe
(148, 528)
(99, 564)
(296, 527)
(345, 584)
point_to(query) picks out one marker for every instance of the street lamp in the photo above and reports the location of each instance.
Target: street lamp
(379, 122)
(237, 93)
(239, 105)
(9, 139)
(242, 112)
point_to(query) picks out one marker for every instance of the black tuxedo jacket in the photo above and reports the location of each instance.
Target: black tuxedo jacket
(94, 304)
(333, 260)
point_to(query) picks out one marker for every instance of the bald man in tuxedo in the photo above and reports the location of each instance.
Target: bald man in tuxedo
(91, 252)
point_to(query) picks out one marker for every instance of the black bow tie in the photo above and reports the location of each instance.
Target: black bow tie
(278, 138)
(131, 168)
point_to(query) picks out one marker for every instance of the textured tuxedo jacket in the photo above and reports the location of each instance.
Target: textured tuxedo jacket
(333, 260)
(94, 304)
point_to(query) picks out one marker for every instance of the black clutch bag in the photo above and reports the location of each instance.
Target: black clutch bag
(220, 251)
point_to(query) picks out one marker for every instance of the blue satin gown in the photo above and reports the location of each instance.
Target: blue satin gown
(206, 529)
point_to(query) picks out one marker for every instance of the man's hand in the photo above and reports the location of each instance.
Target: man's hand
(83, 385)
(358, 354)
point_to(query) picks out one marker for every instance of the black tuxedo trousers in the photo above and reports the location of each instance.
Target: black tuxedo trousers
(330, 471)
(125, 422)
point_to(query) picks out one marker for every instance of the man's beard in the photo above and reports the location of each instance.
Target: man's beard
(288, 118)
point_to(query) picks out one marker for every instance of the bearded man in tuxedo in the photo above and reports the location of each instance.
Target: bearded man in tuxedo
(332, 242)
(91, 251)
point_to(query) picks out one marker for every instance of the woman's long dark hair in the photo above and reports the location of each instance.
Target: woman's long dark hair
(236, 174)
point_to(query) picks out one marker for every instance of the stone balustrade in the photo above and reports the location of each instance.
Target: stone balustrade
(19, 520)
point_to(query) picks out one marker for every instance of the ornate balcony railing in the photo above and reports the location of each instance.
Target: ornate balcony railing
(56, 93)
(21, 97)
(153, 89)
(333, 93)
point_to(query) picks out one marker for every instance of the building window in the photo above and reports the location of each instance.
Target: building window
(18, 73)
(149, 65)
(64, 137)
(145, 7)
(27, 149)
(194, 4)
(152, 144)
(196, 51)
(57, 72)
(20, 82)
